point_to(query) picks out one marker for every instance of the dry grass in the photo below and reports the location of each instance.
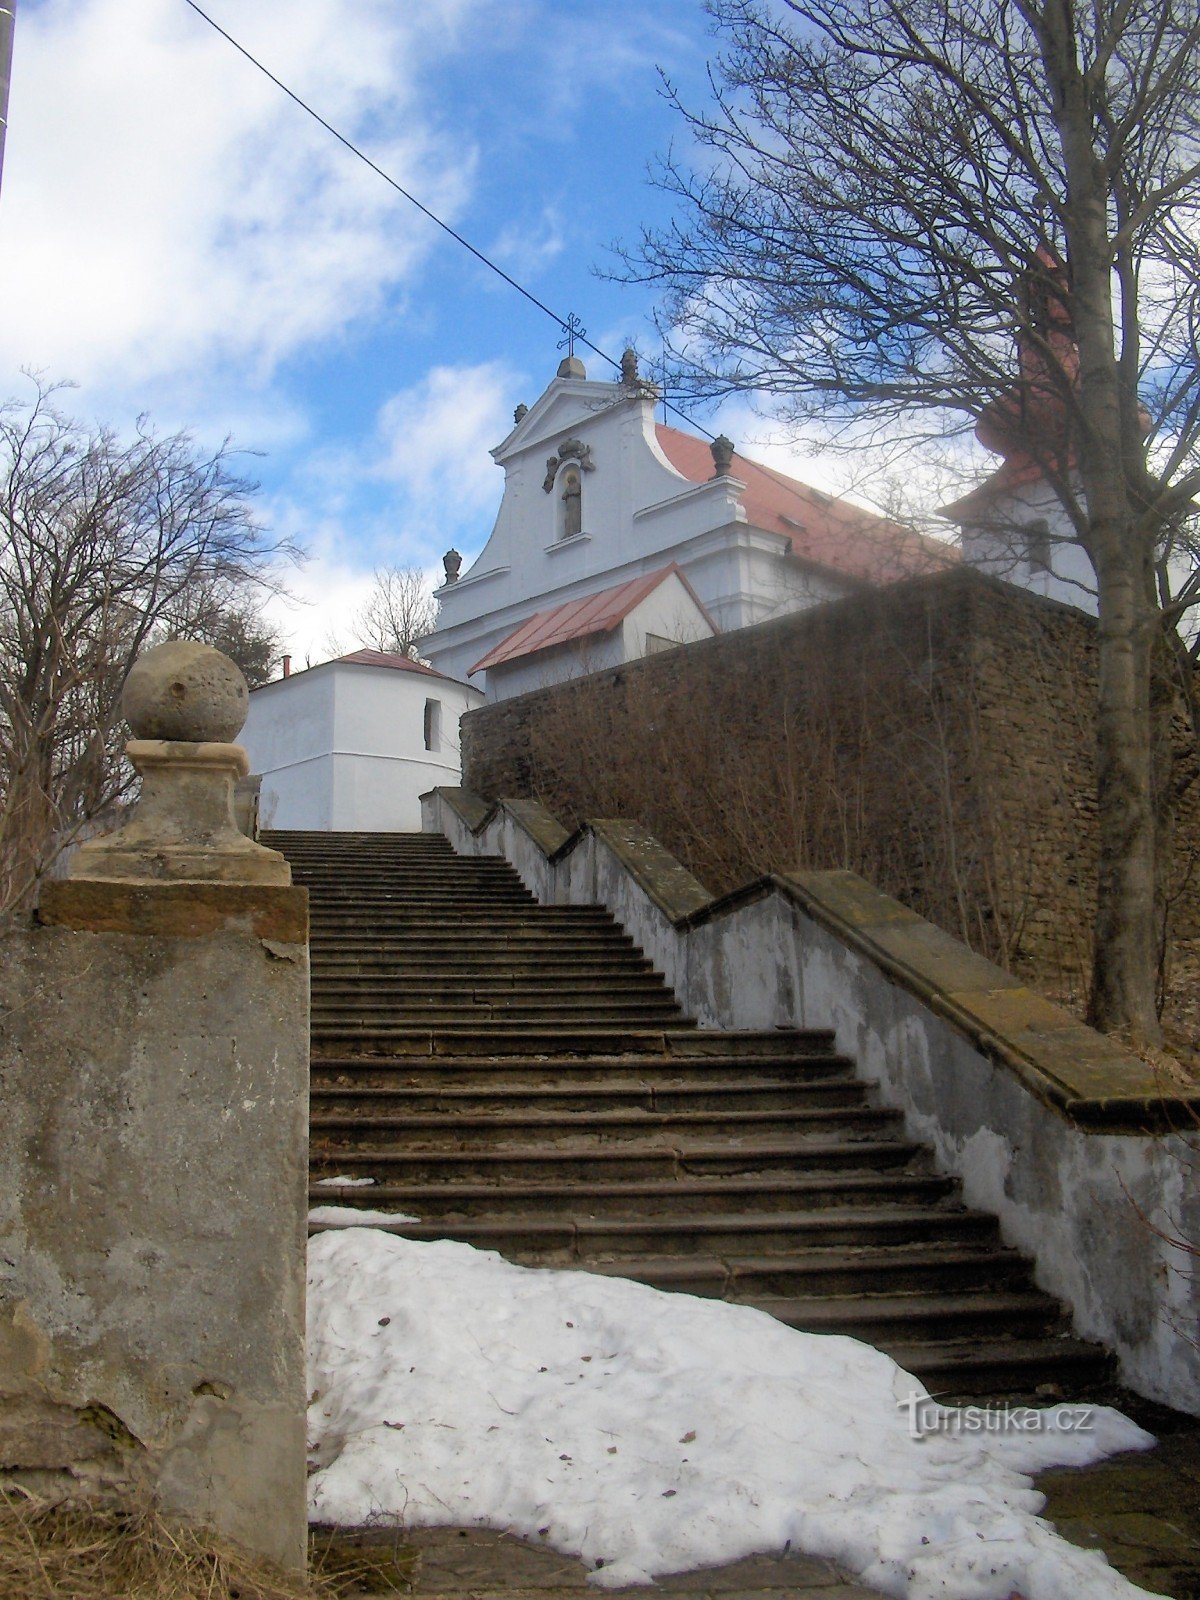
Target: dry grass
(50, 1552)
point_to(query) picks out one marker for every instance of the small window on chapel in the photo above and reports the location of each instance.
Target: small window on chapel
(570, 522)
(433, 725)
(1037, 545)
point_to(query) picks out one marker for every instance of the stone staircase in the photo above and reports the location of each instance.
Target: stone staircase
(516, 1076)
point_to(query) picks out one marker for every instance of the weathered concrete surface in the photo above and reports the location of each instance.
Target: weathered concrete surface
(152, 1201)
(452, 1563)
(184, 828)
(1091, 1170)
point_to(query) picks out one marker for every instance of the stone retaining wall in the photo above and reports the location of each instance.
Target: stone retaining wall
(1091, 1169)
(935, 737)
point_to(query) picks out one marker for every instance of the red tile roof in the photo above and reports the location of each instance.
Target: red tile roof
(823, 531)
(581, 619)
(387, 658)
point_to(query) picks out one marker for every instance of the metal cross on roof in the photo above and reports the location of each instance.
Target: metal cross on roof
(572, 329)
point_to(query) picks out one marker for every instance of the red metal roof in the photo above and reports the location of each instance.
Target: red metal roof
(823, 530)
(581, 619)
(387, 658)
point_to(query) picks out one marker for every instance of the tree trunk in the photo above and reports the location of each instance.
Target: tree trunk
(1125, 960)
(1125, 967)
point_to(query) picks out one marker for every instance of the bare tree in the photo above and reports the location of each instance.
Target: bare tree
(928, 212)
(106, 545)
(226, 613)
(399, 613)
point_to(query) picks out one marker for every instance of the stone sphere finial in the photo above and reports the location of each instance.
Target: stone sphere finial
(185, 691)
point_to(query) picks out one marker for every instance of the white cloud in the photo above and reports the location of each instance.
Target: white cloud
(434, 440)
(316, 617)
(167, 208)
(422, 481)
(526, 247)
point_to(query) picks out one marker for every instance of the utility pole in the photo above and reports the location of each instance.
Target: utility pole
(8, 11)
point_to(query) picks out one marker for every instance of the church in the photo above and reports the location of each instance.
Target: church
(618, 535)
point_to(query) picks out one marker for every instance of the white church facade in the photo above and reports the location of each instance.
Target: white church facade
(602, 503)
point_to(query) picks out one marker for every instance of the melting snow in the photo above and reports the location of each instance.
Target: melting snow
(652, 1433)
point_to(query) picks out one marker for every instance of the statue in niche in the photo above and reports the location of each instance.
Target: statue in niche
(572, 499)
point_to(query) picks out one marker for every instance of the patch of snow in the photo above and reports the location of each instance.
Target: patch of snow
(355, 1216)
(343, 1183)
(650, 1433)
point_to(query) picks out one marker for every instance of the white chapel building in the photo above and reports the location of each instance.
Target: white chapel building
(351, 745)
(618, 535)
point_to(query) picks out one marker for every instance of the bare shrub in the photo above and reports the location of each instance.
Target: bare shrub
(936, 738)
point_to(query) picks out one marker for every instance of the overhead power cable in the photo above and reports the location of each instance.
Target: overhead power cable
(568, 325)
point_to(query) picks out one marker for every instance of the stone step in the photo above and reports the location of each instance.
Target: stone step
(395, 900)
(423, 949)
(335, 881)
(371, 992)
(380, 989)
(954, 1370)
(599, 1031)
(602, 1005)
(449, 866)
(786, 1096)
(683, 1198)
(588, 1161)
(881, 1319)
(425, 1131)
(650, 1069)
(337, 973)
(454, 929)
(598, 1243)
(585, 1037)
(850, 1269)
(477, 909)
(309, 839)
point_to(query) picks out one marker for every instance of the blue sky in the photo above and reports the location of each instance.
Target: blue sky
(177, 238)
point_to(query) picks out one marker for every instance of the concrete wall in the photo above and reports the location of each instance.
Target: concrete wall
(341, 746)
(153, 1151)
(1051, 1127)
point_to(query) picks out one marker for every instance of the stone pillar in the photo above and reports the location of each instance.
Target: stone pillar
(153, 1146)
